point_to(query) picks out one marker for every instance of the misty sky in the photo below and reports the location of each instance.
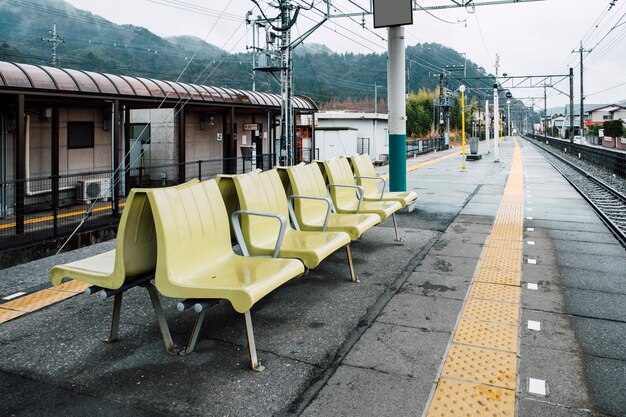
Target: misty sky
(530, 38)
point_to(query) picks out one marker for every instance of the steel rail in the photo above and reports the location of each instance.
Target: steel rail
(618, 231)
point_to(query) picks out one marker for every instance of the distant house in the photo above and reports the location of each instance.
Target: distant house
(599, 115)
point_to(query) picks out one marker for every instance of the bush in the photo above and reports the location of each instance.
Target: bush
(613, 128)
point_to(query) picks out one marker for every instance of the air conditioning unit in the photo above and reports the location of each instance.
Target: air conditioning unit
(89, 190)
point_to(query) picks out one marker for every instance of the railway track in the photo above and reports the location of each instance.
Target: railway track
(609, 203)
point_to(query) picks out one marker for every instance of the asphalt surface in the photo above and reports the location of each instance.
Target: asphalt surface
(334, 348)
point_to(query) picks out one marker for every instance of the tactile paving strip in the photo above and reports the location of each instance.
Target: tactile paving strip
(485, 366)
(456, 398)
(493, 311)
(75, 287)
(479, 373)
(505, 264)
(496, 276)
(489, 335)
(37, 300)
(6, 315)
(495, 292)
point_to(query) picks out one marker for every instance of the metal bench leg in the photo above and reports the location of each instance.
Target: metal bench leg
(160, 316)
(115, 319)
(254, 361)
(194, 334)
(395, 227)
(353, 276)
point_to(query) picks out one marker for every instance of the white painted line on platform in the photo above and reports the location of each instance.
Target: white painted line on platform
(531, 243)
(530, 202)
(532, 261)
(530, 229)
(529, 208)
(532, 286)
(537, 386)
(12, 296)
(529, 218)
(534, 325)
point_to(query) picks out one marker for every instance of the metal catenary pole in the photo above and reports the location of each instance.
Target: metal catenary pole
(397, 109)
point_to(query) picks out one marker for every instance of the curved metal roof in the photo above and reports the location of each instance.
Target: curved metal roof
(72, 81)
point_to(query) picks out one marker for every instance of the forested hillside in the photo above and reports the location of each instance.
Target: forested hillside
(93, 43)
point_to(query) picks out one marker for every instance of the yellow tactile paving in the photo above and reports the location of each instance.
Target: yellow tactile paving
(479, 374)
(505, 244)
(496, 276)
(6, 315)
(489, 335)
(35, 301)
(485, 366)
(503, 264)
(456, 398)
(75, 287)
(495, 292)
(492, 311)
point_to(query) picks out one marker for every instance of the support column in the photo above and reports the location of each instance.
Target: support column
(496, 123)
(182, 139)
(117, 142)
(127, 150)
(20, 166)
(54, 164)
(487, 125)
(397, 109)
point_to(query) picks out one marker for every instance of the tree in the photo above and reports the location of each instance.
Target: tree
(613, 128)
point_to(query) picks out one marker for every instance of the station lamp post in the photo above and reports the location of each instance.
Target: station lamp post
(508, 116)
(462, 90)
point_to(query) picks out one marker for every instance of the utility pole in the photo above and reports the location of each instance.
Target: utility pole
(55, 40)
(581, 50)
(441, 118)
(487, 125)
(286, 83)
(496, 115)
(571, 105)
(545, 113)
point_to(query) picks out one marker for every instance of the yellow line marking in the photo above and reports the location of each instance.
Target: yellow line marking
(480, 369)
(59, 216)
(426, 163)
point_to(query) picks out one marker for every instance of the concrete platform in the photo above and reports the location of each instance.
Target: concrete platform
(334, 348)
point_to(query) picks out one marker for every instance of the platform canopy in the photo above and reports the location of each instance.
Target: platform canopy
(38, 79)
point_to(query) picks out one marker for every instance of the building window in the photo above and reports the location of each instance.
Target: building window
(79, 135)
(140, 131)
(606, 117)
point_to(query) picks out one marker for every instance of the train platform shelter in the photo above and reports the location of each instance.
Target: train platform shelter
(506, 297)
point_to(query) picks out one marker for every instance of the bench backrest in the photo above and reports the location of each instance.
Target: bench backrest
(192, 230)
(264, 192)
(308, 180)
(338, 171)
(363, 167)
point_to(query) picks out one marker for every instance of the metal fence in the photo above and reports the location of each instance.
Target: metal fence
(421, 146)
(38, 209)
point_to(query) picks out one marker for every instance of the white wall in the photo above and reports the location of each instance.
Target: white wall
(368, 125)
(335, 143)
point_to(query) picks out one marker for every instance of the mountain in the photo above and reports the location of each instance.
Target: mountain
(94, 43)
(193, 44)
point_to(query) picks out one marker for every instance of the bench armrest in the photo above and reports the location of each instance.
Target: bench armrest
(292, 214)
(239, 235)
(359, 191)
(384, 181)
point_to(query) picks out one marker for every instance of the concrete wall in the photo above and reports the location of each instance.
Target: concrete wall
(70, 160)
